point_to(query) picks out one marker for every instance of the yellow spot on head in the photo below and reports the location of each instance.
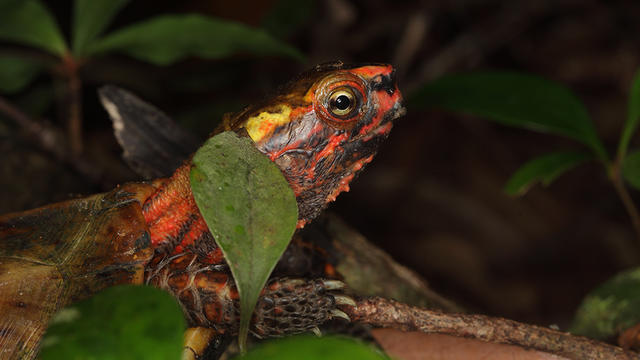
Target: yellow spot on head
(263, 124)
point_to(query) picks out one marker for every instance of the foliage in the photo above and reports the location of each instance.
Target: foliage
(535, 104)
(544, 169)
(313, 348)
(160, 40)
(122, 322)
(611, 308)
(249, 207)
(532, 103)
(631, 169)
(514, 99)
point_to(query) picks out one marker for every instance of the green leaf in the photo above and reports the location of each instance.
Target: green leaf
(90, 19)
(28, 22)
(544, 169)
(313, 348)
(166, 39)
(631, 169)
(123, 322)
(633, 115)
(611, 308)
(16, 73)
(514, 99)
(249, 208)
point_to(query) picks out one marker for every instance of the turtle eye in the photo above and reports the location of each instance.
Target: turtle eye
(343, 102)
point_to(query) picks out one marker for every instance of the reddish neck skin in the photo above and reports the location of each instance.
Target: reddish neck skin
(172, 215)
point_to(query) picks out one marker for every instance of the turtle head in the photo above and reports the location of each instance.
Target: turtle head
(322, 128)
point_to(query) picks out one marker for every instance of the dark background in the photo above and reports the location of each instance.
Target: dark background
(433, 197)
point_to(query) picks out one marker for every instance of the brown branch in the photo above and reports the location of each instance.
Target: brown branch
(381, 312)
(73, 101)
(49, 140)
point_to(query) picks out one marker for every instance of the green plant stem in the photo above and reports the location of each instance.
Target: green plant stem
(621, 190)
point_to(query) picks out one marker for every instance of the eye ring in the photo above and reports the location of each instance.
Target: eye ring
(343, 102)
(337, 112)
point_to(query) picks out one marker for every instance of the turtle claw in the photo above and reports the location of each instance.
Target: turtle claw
(331, 285)
(335, 313)
(344, 300)
(316, 331)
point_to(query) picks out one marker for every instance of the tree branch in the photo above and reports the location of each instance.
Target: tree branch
(381, 312)
(48, 139)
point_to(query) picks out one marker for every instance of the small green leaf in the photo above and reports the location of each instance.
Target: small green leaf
(166, 39)
(16, 73)
(313, 348)
(633, 115)
(28, 22)
(514, 99)
(611, 308)
(123, 322)
(631, 169)
(90, 19)
(249, 208)
(544, 169)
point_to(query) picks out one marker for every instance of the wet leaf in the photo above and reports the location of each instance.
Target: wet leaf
(314, 348)
(28, 22)
(611, 308)
(166, 39)
(631, 169)
(90, 19)
(123, 322)
(16, 73)
(544, 169)
(514, 99)
(249, 208)
(633, 115)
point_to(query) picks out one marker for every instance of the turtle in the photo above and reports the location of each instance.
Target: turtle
(321, 129)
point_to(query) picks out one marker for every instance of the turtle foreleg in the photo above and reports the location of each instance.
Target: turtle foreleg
(290, 306)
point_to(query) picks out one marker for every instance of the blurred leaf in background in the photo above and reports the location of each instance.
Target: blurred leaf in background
(519, 100)
(29, 22)
(611, 308)
(544, 169)
(166, 39)
(161, 40)
(16, 73)
(90, 19)
(633, 116)
(631, 169)
(123, 322)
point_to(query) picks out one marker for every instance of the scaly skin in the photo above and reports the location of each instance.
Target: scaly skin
(320, 142)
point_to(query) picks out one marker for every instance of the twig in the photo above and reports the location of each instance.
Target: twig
(382, 312)
(47, 138)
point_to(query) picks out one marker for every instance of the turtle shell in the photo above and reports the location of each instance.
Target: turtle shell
(65, 252)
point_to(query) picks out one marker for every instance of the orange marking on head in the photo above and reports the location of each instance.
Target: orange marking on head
(331, 146)
(371, 71)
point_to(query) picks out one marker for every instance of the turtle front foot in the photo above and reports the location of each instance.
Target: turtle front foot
(290, 306)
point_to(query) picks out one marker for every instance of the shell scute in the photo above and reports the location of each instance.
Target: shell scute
(64, 252)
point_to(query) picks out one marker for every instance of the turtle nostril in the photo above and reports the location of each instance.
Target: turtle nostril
(386, 82)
